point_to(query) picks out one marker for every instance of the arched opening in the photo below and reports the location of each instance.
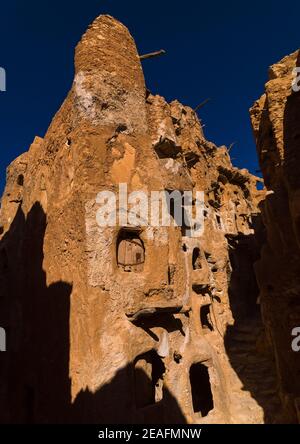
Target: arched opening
(148, 373)
(201, 390)
(130, 251)
(196, 259)
(20, 180)
(205, 318)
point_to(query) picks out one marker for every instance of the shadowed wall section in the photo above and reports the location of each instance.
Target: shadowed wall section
(275, 119)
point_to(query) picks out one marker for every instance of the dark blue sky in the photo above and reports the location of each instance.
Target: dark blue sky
(214, 49)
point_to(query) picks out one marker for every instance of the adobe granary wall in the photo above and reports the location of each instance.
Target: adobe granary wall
(129, 323)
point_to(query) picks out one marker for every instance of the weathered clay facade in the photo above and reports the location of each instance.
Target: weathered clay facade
(125, 323)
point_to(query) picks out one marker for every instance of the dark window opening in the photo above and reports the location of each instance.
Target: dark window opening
(184, 248)
(149, 373)
(177, 357)
(205, 318)
(219, 220)
(130, 251)
(121, 128)
(174, 200)
(167, 148)
(20, 180)
(201, 389)
(200, 288)
(191, 159)
(196, 260)
(176, 206)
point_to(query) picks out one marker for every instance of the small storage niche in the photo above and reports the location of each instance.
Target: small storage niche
(196, 259)
(130, 251)
(205, 318)
(201, 389)
(148, 374)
